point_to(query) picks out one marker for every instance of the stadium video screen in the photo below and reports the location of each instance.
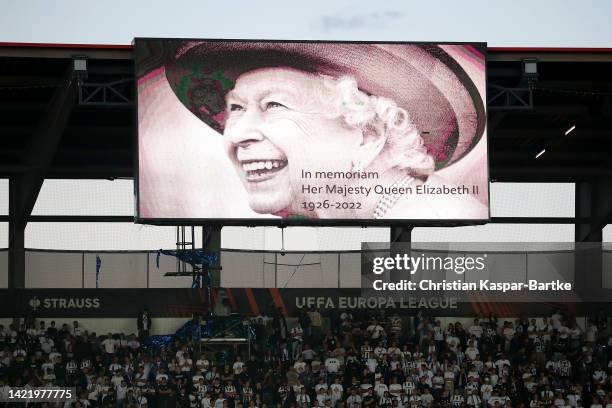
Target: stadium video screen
(311, 133)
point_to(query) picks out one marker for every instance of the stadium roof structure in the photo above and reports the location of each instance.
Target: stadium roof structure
(58, 123)
(93, 131)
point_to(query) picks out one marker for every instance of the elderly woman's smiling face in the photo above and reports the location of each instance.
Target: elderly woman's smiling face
(279, 125)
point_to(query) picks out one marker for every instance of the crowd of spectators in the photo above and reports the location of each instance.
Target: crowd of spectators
(365, 359)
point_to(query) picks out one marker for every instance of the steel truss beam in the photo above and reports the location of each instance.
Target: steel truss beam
(114, 93)
(503, 98)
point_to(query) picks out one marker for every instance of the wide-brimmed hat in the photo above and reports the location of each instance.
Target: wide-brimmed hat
(435, 90)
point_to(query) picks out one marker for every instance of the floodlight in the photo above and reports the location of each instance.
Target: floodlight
(530, 67)
(79, 66)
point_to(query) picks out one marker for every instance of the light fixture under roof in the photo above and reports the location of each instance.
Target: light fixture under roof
(530, 72)
(530, 67)
(570, 130)
(541, 153)
(79, 66)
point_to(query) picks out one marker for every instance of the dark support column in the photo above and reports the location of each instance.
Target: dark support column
(401, 234)
(211, 242)
(16, 272)
(585, 195)
(25, 186)
(399, 245)
(43, 145)
(593, 203)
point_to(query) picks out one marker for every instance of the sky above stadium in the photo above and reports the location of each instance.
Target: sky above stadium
(520, 23)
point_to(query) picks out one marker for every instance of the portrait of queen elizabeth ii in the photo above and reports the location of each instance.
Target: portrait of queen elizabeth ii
(312, 130)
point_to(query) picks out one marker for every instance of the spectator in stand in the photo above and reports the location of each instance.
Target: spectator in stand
(109, 346)
(280, 326)
(144, 324)
(305, 323)
(316, 324)
(297, 337)
(344, 369)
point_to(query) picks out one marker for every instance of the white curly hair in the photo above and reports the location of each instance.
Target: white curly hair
(373, 113)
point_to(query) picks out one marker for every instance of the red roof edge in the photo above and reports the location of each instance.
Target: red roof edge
(129, 47)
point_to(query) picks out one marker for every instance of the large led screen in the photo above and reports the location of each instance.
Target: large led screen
(311, 133)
